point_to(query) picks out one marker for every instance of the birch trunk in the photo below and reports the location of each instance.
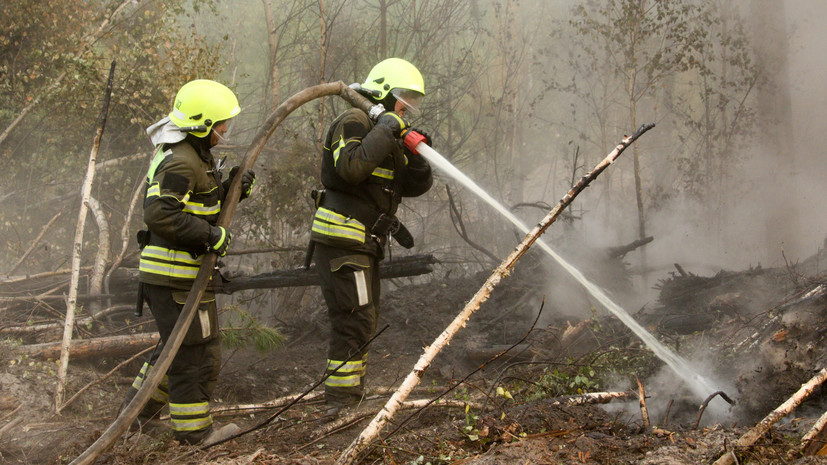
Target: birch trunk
(78, 246)
(98, 269)
(758, 430)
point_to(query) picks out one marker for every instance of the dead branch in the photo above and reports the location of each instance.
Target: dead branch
(136, 197)
(706, 402)
(36, 241)
(459, 227)
(104, 377)
(355, 417)
(621, 251)
(372, 430)
(109, 346)
(594, 398)
(783, 410)
(812, 443)
(644, 411)
(36, 328)
(76, 250)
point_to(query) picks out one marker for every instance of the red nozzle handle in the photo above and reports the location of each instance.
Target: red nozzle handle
(412, 139)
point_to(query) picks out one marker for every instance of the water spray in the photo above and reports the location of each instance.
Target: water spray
(698, 384)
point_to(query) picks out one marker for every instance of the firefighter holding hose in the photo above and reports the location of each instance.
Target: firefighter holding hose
(183, 197)
(366, 170)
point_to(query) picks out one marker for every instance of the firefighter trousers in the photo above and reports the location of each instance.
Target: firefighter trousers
(191, 378)
(350, 286)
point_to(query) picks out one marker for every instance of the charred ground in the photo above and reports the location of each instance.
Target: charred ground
(761, 331)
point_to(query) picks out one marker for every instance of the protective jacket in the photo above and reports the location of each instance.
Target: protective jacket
(365, 172)
(183, 199)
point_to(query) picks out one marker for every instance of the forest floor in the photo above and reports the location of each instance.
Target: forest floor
(755, 334)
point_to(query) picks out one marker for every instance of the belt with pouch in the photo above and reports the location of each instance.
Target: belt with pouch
(379, 224)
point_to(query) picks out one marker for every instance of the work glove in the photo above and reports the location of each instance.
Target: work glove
(394, 122)
(248, 180)
(412, 137)
(427, 136)
(219, 240)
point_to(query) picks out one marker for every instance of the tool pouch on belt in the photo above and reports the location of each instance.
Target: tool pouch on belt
(388, 224)
(204, 326)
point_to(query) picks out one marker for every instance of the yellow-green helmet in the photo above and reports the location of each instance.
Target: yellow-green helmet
(203, 103)
(394, 73)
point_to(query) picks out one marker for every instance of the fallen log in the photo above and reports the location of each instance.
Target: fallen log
(80, 349)
(412, 265)
(621, 251)
(125, 281)
(764, 425)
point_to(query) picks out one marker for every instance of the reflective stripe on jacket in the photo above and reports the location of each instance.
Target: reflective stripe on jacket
(183, 199)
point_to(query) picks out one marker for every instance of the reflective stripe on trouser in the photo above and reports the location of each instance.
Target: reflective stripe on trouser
(190, 417)
(350, 285)
(348, 374)
(192, 373)
(159, 397)
(161, 393)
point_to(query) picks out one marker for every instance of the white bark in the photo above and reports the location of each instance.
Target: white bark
(96, 278)
(783, 410)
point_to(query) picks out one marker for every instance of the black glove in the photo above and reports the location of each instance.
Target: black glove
(427, 136)
(394, 122)
(248, 180)
(219, 240)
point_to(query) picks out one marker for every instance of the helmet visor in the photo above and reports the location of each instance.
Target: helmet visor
(410, 99)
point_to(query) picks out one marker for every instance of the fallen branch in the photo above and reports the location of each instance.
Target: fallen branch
(104, 377)
(788, 406)
(88, 348)
(355, 417)
(368, 434)
(813, 442)
(594, 398)
(36, 241)
(86, 192)
(706, 402)
(644, 410)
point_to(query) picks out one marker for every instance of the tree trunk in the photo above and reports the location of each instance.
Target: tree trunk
(76, 250)
(99, 268)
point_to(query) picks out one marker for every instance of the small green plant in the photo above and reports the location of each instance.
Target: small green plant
(243, 330)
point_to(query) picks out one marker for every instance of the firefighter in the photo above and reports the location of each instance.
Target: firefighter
(183, 197)
(366, 170)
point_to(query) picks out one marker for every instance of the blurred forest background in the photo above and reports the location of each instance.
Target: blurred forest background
(524, 96)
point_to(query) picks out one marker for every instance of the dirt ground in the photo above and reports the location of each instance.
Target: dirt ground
(766, 342)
